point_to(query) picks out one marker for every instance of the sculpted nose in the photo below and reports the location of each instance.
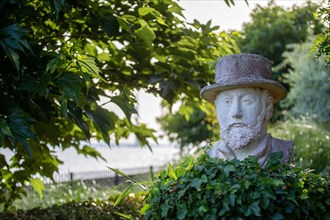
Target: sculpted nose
(237, 111)
(237, 115)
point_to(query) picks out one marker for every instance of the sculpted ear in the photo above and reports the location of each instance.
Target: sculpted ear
(269, 107)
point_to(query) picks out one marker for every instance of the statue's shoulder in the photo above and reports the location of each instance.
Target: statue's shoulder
(285, 146)
(212, 152)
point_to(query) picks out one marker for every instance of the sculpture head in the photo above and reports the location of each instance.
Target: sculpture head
(243, 115)
(244, 95)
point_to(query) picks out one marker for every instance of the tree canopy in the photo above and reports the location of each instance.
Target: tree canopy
(58, 58)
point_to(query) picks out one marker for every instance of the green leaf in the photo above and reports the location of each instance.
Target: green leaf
(103, 120)
(182, 211)
(274, 160)
(110, 25)
(76, 114)
(70, 83)
(123, 195)
(64, 107)
(264, 201)
(143, 133)
(255, 209)
(164, 210)
(204, 178)
(54, 63)
(171, 172)
(38, 186)
(124, 215)
(87, 64)
(145, 33)
(232, 198)
(4, 130)
(229, 168)
(144, 208)
(145, 10)
(125, 104)
(196, 183)
(129, 178)
(19, 123)
(90, 151)
(13, 40)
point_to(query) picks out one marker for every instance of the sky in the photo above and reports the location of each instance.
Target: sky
(228, 18)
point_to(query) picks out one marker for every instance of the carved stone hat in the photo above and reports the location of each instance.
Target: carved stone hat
(243, 70)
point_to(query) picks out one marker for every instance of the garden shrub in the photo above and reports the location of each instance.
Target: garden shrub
(92, 209)
(210, 188)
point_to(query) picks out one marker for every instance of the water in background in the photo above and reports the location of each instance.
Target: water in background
(125, 156)
(117, 157)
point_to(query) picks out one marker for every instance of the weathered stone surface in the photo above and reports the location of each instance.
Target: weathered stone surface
(244, 95)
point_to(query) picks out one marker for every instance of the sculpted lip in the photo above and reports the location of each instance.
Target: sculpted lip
(237, 125)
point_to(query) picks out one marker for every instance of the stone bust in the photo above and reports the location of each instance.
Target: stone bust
(244, 95)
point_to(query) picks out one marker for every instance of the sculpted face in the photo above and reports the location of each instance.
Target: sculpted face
(241, 114)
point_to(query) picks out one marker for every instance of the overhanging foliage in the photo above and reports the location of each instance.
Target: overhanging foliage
(59, 58)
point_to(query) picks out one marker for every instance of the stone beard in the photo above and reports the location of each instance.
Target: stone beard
(238, 136)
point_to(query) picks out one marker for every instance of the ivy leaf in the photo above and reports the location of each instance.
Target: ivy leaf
(232, 198)
(164, 207)
(229, 168)
(254, 208)
(38, 186)
(274, 160)
(264, 202)
(196, 183)
(182, 211)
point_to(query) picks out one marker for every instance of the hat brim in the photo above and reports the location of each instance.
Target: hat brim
(210, 92)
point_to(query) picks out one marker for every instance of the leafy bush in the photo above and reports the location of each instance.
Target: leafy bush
(312, 142)
(216, 189)
(92, 209)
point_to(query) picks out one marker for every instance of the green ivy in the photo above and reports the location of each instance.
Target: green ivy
(209, 188)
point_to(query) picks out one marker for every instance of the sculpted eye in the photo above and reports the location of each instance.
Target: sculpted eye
(227, 101)
(247, 99)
